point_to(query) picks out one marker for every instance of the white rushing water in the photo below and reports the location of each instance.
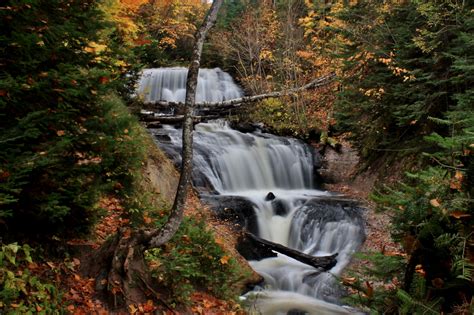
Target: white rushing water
(229, 163)
(169, 84)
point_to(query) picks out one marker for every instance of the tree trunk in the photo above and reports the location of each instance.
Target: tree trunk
(170, 228)
(119, 264)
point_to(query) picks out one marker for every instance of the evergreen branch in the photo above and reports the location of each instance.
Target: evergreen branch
(11, 139)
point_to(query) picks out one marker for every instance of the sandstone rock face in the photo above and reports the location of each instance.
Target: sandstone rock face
(339, 167)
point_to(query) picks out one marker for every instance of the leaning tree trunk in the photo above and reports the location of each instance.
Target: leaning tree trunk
(119, 264)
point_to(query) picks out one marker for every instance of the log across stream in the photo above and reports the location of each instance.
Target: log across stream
(267, 185)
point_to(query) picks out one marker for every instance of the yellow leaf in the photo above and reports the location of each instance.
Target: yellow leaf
(132, 309)
(225, 259)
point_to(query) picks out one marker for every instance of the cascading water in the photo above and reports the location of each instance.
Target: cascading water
(246, 167)
(169, 84)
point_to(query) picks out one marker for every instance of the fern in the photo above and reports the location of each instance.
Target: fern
(412, 306)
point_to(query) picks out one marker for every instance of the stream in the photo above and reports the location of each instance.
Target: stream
(269, 184)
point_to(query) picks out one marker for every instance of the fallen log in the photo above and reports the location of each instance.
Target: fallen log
(265, 249)
(155, 121)
(234, 103)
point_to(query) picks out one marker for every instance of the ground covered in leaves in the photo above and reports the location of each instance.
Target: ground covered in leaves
(77, 295)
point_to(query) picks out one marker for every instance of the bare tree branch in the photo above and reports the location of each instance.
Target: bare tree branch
(234, 103)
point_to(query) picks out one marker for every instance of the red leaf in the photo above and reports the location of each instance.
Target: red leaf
(103, 80)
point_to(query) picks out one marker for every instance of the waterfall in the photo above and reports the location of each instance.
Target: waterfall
(169, 84)
(234, 162)
(229, 165)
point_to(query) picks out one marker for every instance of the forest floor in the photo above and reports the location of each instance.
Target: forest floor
(80, 293)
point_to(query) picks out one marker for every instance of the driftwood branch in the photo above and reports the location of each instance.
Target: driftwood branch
(324, 262)
(234, 103)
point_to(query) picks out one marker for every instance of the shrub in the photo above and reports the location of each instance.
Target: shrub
(194, 261)
(20, 291)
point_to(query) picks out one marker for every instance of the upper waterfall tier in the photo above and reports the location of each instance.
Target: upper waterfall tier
(230, 161)
(169, 84)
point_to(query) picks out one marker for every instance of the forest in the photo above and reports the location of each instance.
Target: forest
(96, 218)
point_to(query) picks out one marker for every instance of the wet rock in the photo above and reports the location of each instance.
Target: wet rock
(279, 208)
(202, 183)
(163, 138)
(236, 209)
(270, 196)
(244, 127)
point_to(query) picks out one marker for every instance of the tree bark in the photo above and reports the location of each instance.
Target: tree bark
(170, 228)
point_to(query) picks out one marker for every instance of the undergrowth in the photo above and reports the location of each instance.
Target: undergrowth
(194, 261)
(21, 292)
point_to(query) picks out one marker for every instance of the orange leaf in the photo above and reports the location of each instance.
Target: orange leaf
(456, 181)
(149, 307)
(219, 241)
(459, 214)
(225, 259)
(435, 203)
(370, 290)
(60, 133)
(3, 93)
(348, 280)
(419, 269)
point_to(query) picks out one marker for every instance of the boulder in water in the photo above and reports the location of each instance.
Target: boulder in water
(270, 196)
(279, 208)
(236, 209)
